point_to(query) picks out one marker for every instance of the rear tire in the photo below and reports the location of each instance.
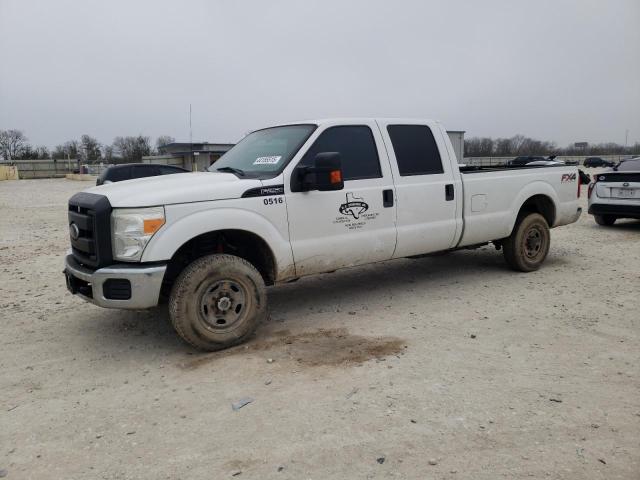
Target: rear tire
(528, 245)
(217, 302)
(605, 220)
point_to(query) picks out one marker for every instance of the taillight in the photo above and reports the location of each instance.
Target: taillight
(590, 190)
(579, 183)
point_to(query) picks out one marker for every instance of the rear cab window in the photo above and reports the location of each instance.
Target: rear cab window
(415, 149)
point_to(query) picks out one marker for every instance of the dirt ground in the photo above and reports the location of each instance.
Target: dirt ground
(449, 367)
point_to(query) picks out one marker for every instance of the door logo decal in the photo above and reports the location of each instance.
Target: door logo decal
(354, 206)
(568, 177)
(354, 213)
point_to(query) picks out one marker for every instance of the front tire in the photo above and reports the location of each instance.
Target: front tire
(528, 245)
(605, 220)
(217, 302)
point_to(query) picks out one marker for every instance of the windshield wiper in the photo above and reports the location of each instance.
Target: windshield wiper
(237, 171)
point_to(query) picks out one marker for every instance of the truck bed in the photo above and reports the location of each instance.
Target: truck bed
(493, 199)
(499, 168)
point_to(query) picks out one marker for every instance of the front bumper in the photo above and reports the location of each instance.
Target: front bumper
(615, 209)
(144, 283)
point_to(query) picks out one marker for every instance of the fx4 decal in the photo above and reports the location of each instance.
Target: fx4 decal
(568, 177)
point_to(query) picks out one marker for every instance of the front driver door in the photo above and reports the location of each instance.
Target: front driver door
(335, 229)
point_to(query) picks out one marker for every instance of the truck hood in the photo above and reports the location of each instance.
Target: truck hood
(177, 188)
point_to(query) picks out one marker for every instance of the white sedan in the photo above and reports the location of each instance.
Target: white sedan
(615, 193)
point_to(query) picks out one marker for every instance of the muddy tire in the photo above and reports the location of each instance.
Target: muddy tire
(217, 302)
(528, 245)
(605, 220)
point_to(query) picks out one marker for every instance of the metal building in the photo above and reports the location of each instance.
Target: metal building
(192, 156)
(457, 139)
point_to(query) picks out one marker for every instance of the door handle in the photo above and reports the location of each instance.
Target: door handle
(387, 198)
(448, 192)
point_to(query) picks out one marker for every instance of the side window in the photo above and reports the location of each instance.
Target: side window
(118, 174)
(357, 149)
(141, 171)
(168, 170)
(416, 150)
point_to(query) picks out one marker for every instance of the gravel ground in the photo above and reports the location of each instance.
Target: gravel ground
(449, 367)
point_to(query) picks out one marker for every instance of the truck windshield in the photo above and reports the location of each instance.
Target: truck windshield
(264, 153)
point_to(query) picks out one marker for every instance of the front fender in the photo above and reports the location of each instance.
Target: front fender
(187, 221)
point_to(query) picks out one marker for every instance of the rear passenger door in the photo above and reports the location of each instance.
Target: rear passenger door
(425, 187)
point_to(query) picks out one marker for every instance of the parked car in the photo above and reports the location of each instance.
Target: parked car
(545, 162)
(129, 171)
(526, 159)
(615, 193)
(296, 200)
(593, 162)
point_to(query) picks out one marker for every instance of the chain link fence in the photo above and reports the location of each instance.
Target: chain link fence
(497, 161)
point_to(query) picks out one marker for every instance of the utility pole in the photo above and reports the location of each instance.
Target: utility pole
(626, 138)
(191, 157)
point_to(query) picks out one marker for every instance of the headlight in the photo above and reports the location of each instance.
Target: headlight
(132, 229)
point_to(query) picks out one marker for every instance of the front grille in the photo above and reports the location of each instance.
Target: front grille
(90, 229)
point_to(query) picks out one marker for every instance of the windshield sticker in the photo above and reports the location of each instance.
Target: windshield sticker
(267, 160)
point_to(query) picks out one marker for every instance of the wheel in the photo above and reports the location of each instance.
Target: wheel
(528, 245)
(606, 220)
(217, 302)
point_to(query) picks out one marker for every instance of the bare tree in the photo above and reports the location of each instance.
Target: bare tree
(107, 153)
(162, 141)
(132, 149)
(517, 143)
(12, 143)
(26, 153)
(503, 147)
(69, 150)
(90, 149)
(486, 147)
(43, 152)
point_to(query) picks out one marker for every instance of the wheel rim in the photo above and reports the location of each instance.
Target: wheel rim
(222, 304)
(533, 242)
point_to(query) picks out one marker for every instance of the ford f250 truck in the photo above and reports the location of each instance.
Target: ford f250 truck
(295, 200)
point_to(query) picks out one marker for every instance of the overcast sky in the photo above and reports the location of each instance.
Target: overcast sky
(561, 70)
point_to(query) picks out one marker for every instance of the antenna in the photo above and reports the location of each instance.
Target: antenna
(191, 157)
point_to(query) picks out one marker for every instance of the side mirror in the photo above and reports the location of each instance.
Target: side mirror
(324, 175)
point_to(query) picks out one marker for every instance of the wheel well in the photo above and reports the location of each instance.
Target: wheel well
(539, 204)
(240, 243)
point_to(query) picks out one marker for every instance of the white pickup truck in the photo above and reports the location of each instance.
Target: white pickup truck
(295, 200)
